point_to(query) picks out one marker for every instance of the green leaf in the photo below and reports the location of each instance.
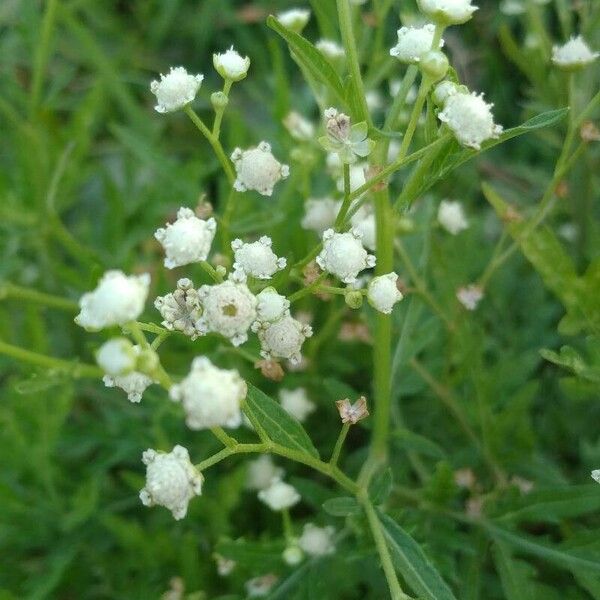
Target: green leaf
(310, 59)
(412, 563)
(572, 360)
(381, 486)
(342, 506)
(279, 425)
(514, 574)
(408, 440)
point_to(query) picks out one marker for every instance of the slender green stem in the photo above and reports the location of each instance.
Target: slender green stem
(346, 202)
(214, 142)
(414, 117)
(9, 290)
(400, 99)
(74, 369)
(211, 271)
(339, 444)
(288, 528)
(216, 130)
(226, 221)
(309, 289)
(229, 451)
(223, 437)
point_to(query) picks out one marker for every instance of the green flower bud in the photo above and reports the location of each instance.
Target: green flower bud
(353, 298)
(219, 100)
(434, 65)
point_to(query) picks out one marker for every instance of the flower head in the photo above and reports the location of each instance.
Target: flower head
(230, 65)
(175, 89)
(451, 216)
(470, 119)
(383, 292)
(271, 306)
(363, 221)
(330, 49)
(181, 309)
(317, 541)
(261, 472)
(187, 240)
(470, 296)
(282, 338)
(448, 12)
(279, 495)
(296, 403)
(300, 129)
(294, 19)
(258, 587)
(117, 357)
(257, 169)
(171, 480)
(349, 141)
(575, 54)
(229, 309)
(596, 475)
(413, 42)
(256, 258)
(343, 255)
(352, 413)
(210, 396)
(117, 300)
(320, 214)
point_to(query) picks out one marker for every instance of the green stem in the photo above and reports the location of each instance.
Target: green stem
(223, 437)
(338, 445)
(346, 202)
(74, 369)
(211, 271)
(288, 529)
(226, 222)
(400, 99)
(214, 142)
(216, 130)
(9, 290)
(309, 289)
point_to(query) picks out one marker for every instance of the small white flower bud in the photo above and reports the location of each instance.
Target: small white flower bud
(596, 475)
(383, 292)
(296, 403)
(171, 480)
(283, 338)
(413, 42)
(320, 214)
(363, 221)
(117, 300)
(300, 129)
(260, 586)
(134, 383)
(470, 296)
(573, 55)
(230, 65)
(443, 91)
(434, 64)
(229, 309)
(470, 119)
(116, 357)
(261, 472)
(279, 495)
(331, 50)
(317, 541)
(292, 556)
(447, 12)
(451, 216)
(343, 255)
(181, 309)
(225, 566)
(271, 306)
(210, 396)
(219, 100)
(187, 240)
(175, 89)
(294, 19)
(256, 258)
(257, 169)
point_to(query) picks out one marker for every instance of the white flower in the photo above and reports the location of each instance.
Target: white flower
(210, 396)
(296, 403)
(257, 169)
(260, 586)
(357, 178)
(171, 480)
(451, 216)
(349, 141)
(320, 214)
(181, 309)
(279, 495)
(334, 166)
(317, 541)
(175, 89)
(300, 129)
(574, 54)
(225, 566)
(294, 19)
(470, 296)
(271, 306)
(448, 12)
(332, 50)
(256, 258)
(374, 100)
(283, 338)
(261, 472)
(383, 293)
(229, 309)
(413, 42)
(292, 556)
(117, 300)
(116, 357)
(443, 91)
(470, 119)
(187, 240)
(230, 65)
(134, 384)
(343, 255)
(596, 475)
(363, 221)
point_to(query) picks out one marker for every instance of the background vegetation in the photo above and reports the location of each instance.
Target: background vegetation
(88, 171)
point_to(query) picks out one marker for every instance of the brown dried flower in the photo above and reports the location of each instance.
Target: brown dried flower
(352, 413)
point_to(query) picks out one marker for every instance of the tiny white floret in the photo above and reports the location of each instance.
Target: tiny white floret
(317, 541)
(294, 19)
(187, 240)
(117, 357)
(279, 495)
(470, 296)
(271, 306)
(343, 255)
(451, 216)
(175, 90)
(117, 300)
(282, 338)
(596, 475)
(257, 169)
(171, 480)
(383, 292)
(261, 472)
(363, 221)
(332, 50)
(181, 309)
(448, 12)
(257, 258)
(231, 65)
(296, 403)
(299, 128)
(210, 396)
(575, 54)
(320, 214)
(134, 384)
(413, 42)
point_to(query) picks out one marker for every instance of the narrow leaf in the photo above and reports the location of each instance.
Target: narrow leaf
(341, 506)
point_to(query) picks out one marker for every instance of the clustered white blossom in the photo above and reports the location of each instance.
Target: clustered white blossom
(282, 338)
(448, 12)
(171, 480)
(296, 403)
(271, 306)
(175, 90)
(117, 357)
(261, 472)
(294, 19)
(279, 495)
(211, 397)
(383, 292)
(257, 258)
(133, 383)
(413, 43)
(363, 222)
(451, 216)
(231, 65)
(181, 309)
(257, 169)
(317, 541)
(343, 255)
(320, 214)
(118, 299)
(187, 240)
(575, 54)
